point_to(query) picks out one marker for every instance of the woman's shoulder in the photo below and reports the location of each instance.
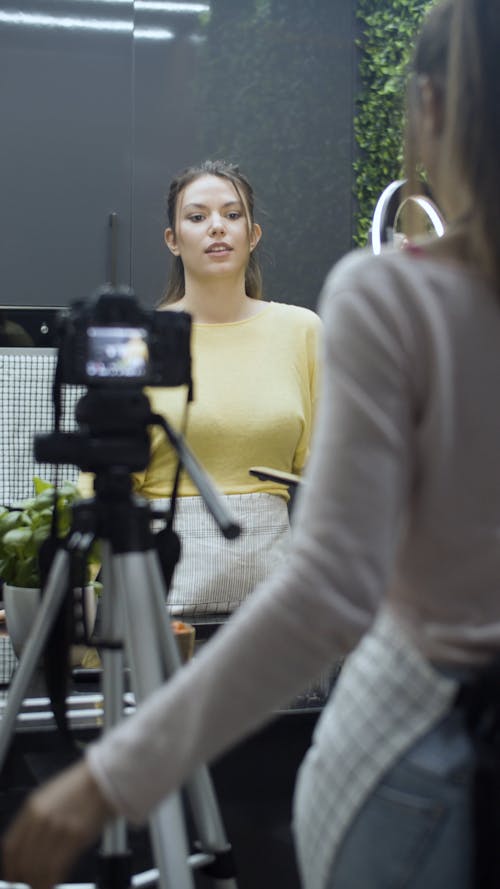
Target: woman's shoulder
(362, 265)
(294, 314)
(401, 291)
(394, 278)
(402, 266)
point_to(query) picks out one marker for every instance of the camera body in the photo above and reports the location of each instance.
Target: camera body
(112, 341)
(115, 348)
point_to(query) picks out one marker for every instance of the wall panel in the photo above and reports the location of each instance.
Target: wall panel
(269, 85)
(102, 102)
(65, 151)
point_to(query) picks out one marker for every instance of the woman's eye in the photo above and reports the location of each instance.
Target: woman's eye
(195, 217)
(233, 215)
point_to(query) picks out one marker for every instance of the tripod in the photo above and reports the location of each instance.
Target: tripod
(136, 629)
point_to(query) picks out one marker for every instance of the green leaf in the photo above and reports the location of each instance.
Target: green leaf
(39, 536)
(42, 518)
(22, 531)
(45, 500)
(8, 521)
(40, 485)
(17, 540)
(27, 573)
(68, 490)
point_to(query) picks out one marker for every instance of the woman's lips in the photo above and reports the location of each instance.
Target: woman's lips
(218, 249)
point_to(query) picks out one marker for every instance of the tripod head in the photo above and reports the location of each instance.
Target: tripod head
(112, 433)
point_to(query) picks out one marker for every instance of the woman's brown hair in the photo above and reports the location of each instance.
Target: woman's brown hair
(458, 48)
(430, 59)
(472, 126)
(176, 282)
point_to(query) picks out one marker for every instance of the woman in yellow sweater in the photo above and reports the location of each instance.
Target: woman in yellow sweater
(254, 366)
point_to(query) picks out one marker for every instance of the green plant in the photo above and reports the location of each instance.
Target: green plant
(24, 529)
(388, 32)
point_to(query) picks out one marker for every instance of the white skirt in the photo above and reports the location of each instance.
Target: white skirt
(213, 574)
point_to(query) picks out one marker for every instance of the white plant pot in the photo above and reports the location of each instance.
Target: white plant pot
(21, 606)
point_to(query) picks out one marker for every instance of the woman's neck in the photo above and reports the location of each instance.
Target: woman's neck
(217, 302)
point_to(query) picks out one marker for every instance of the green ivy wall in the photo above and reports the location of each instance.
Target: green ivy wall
(387, 34)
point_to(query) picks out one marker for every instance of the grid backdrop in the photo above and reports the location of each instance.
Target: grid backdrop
(26, 377)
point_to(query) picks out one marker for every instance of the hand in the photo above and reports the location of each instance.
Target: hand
(53, 827)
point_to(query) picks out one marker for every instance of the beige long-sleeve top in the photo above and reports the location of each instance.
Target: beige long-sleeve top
(401, 503)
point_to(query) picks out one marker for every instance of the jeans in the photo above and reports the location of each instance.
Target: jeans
(415, 829)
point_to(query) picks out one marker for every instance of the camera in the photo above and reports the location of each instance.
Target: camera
(115, 348)
(111, 341)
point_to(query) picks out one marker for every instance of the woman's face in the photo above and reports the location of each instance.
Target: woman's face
(212, 234)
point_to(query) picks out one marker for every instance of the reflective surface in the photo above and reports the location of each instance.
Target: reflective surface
(269, 85)
(103, 101)
(65, 152)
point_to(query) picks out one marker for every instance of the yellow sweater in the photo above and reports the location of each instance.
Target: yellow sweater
(255, 391)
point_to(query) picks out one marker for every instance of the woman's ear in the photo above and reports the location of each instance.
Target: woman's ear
(255, 235)
(170, 241)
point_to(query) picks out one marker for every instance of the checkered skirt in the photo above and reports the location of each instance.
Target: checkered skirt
(214, 575)
(387, 696)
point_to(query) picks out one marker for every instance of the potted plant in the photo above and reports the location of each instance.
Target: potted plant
(22, 532)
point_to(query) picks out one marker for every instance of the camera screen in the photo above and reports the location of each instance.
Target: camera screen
(117, 352)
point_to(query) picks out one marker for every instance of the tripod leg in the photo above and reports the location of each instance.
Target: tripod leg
(54, 592)
(115, 855)
(202, 798)
(147, 673)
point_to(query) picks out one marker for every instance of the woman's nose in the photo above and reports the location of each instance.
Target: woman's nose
(217, 223)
